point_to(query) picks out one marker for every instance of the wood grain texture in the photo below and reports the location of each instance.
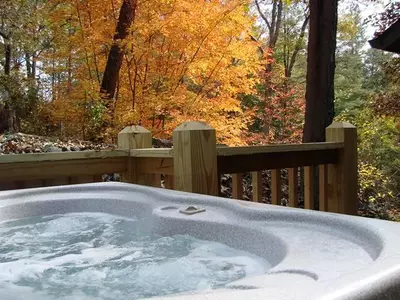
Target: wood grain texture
(309, 187)
(98, 178)
(61, 156)
(134, 137)
(65, 180)
(323, 187)
(276, 189)
(237, 186)
(227, 151)
(195, 158)
(342, 176)
(169, 181)
(268, 161)
(54, 169)
(256, 180)
(153, 180)
(293, 184)
(82, 179)
(12, 185)
(153, 165)
(152, 152)
(33, 183)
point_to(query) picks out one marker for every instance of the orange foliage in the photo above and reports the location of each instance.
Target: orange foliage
(184, 60)
(281, 108)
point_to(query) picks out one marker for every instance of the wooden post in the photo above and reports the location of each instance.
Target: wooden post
(309, 187)
(323, 187)
(293, 183)
(169, 182)
(276, 188)
(133, 137)
(256, 181)
(237, 186)
(342, 177)
(195, 158)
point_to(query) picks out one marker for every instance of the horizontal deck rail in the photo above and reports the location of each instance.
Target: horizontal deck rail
(26, 167)
(195, 164)
(241, 163)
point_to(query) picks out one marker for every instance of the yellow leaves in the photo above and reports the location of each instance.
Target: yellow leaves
(184, 60)
(347, 27)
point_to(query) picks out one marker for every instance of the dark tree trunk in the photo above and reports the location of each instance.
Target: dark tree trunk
(8, 116)
(28, 65)
(7, 63)
(320, 69)
(115, 56)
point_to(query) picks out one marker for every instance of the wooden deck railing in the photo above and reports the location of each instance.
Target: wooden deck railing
(195, 164)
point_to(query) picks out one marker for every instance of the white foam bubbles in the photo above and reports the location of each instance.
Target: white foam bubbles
(100, 256)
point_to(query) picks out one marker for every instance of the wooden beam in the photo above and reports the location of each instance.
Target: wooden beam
(59, 181)
(237, 186)
(293, 183)
(33, 183)
(169, 181)
(268, 161)
(276, 188)
(54, 169)
(98, 178)
(256, 180)
(133, 137)
(195, 158)
(153, 180)
(152, 152)
(323, 187)
(82, 179)
(228, 151)
(309, 187)
(61, 156)
(153, 165)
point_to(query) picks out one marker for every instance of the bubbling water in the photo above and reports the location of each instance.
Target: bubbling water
(102, 256)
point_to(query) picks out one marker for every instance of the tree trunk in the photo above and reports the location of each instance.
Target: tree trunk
(7, 64)
(8, 118)
(320, 69)
(115, 56)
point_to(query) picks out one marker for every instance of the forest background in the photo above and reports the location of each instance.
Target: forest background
(238, 65)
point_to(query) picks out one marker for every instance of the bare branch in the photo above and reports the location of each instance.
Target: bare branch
(298, 45)
(262, 15)
(256, 40)
(276, 22)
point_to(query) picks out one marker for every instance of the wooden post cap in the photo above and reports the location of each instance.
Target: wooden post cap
(193, 125)
(134, 137)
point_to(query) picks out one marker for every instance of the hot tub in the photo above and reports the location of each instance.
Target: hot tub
(296, 254)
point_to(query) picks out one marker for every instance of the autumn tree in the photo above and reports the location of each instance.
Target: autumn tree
(116, 54)
(350, 93)
(280, 34)
(387, 102)
(173, 69)
(23, 37)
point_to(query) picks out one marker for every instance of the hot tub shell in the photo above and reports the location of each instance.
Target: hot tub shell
(314, 255)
